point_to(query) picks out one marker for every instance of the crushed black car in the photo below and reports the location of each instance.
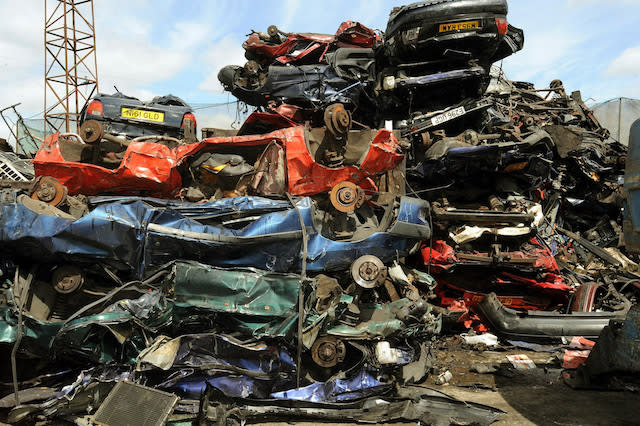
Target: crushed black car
(432, 55)
(447, 34)
(123, 115)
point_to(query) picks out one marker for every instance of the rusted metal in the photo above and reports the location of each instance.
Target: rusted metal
(67, 279)
(71, 68)
(189, 132)
(252, 68)
(480, 216)
(272, 30)
(337, 119)
(598, 251)
(49, 190)
(327, 351)
(346, 196)
(368, 271)
(91, 131)
(391, 290)
(496, 204)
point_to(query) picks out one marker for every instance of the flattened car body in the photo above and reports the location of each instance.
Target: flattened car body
(304, 85)
(136, 236)
(306, 48)
(154, 169)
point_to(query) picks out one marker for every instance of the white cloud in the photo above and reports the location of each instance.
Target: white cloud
(544, 58)
(188, 35)
(128, 66)
(627, 64)
(583, 3)
(130, 61)
(134, 50)
(371, 12)
(21, 55)
(218, 121)
(291, 8)
(227, 51)
(21, 66)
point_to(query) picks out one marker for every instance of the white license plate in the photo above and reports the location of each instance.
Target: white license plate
(446, 116)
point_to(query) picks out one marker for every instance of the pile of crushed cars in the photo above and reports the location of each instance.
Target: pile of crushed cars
(389, 189)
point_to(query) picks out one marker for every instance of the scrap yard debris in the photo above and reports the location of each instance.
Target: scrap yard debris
(390, 190)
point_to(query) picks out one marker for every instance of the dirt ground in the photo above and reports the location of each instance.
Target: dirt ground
(529, 397)
(532, 397)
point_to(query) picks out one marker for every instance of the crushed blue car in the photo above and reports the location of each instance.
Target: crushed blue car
(139, 235)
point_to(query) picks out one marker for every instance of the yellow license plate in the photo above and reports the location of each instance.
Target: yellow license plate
(458, 26)
(140, 114)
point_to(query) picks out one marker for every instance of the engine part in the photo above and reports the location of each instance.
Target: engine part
(49, 190)
(91, 131)
(327, 351)
(252, 68)
(67, 279)
(272, 30)
(337, 119)
(130, 403)
(368, 271)
(346, 196)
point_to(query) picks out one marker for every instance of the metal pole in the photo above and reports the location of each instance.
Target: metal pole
(45, 69)
(69, 32)
(619, 118)
(66, 67)
(95, 53)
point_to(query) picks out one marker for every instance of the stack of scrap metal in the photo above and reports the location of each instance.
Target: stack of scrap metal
(389, 188)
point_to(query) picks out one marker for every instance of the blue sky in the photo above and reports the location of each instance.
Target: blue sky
(149, 48)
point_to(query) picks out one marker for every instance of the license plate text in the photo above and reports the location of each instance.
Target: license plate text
(458, 26)
(139, 114)
(446, 116)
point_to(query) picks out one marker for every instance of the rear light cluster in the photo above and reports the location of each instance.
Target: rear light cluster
(95, 108)
(189, 117)
(502, 25)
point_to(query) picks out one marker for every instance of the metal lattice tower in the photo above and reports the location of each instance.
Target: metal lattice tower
(70, 64)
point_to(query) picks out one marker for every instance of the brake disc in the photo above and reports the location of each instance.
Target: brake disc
(368, 271)
(337, 119)
(91, 131)
(49, 190)
(346, 196)
(327, 351)
(67, 279)
(272, 30)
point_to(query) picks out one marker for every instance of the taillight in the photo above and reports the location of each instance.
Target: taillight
(189, 117)
(95, 108)
(502, 25)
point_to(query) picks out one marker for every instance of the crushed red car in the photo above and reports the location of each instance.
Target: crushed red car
(275, 46)
(159, 170)
(525, 279)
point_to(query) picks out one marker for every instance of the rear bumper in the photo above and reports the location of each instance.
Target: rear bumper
(512, 324)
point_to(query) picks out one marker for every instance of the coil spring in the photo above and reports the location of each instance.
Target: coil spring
(61, 308)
